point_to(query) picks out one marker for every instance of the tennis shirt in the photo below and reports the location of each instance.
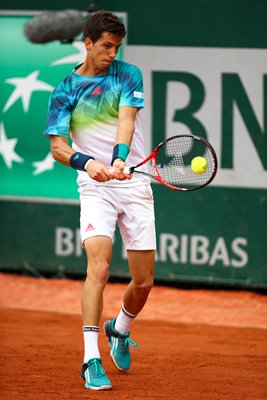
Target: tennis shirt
(86, 109)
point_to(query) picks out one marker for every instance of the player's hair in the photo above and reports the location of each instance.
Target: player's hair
(100, 22)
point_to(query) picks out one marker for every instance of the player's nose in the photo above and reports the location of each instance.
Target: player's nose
(112, 53)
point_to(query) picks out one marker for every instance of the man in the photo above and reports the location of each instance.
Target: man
(98, 105)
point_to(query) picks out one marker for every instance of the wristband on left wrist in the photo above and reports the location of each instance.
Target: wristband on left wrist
(120, 150)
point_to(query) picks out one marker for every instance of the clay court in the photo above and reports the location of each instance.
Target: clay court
(194, 344)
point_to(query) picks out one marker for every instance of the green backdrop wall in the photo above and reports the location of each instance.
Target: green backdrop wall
(204, 66)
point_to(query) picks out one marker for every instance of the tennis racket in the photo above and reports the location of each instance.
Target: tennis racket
(171, 163)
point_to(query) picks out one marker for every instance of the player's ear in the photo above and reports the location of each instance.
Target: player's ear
(88, 43)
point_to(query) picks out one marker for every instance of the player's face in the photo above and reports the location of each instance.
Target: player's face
(102, 53)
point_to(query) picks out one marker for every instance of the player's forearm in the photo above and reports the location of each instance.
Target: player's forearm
(126, 125)
(60, 149)
(125, 132)
(126, 128)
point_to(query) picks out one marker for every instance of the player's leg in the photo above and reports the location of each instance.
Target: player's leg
(140, 240)
(99, 252)
(138, 233)
(141, 265)
(136, 293)
(98, 220)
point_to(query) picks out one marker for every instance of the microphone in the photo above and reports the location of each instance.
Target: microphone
(62, 25)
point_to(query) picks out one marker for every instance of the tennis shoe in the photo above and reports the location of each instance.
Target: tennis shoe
(119, 344)
(94, 375)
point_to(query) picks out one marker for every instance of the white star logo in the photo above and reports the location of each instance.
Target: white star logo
(76, 58)
(24, 88)
(45, 165)
(7, 148)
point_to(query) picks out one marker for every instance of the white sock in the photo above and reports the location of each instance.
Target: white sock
(124, 321)
(90, 337)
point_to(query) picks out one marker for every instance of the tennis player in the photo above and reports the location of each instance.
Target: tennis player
(98, 106)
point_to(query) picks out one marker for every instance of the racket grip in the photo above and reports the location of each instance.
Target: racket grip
(126, 170)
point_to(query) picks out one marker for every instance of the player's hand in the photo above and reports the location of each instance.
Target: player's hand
(99, 172)
(118, 170)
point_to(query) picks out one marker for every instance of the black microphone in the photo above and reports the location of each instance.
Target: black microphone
(62, 25)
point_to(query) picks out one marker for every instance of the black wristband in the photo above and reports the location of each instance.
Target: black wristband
(78, 160)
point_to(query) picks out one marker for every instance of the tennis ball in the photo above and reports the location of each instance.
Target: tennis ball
(199, 165)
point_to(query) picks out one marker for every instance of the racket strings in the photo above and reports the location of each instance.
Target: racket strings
(173, 162)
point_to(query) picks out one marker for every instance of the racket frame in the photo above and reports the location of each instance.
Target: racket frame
(157, 176)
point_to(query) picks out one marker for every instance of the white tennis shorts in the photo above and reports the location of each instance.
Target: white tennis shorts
(102, 207)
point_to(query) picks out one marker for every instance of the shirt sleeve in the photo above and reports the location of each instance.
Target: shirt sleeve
(132, 94)
(59, 113)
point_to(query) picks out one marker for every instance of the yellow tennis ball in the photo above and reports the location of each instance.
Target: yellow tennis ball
(199, 165)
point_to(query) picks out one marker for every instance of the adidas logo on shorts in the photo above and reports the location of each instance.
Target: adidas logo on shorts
(89, 228)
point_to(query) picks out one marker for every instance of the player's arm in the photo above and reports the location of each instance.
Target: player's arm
(62, 152)
(60, 149)
(126, 127)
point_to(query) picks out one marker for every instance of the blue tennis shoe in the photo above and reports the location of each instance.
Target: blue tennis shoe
(119, 344)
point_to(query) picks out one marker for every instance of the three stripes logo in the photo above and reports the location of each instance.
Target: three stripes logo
(96, 91)
(90, 227)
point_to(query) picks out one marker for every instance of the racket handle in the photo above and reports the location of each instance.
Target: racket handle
(126, 170)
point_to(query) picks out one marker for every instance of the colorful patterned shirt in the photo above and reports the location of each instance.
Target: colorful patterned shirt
(87, 109)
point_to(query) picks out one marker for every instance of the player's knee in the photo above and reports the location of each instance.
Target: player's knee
(99, 274)
(145, 285)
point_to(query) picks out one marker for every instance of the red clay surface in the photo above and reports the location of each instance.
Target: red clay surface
(194, 344)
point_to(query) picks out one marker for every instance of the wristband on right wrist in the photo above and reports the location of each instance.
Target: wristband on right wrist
(79, 160)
